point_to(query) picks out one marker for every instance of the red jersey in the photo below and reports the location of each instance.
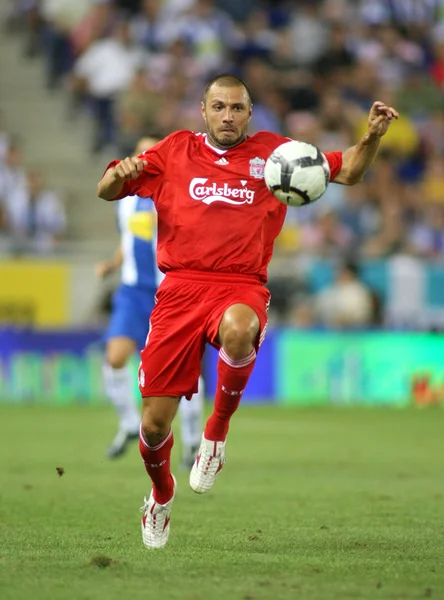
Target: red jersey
(215, 213)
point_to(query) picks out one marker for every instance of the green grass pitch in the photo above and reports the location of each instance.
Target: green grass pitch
(325, 504)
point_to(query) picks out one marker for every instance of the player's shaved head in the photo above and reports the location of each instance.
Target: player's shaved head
(226, 80)
(226, 109)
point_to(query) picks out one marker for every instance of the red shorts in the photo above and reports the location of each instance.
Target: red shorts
(189, 308)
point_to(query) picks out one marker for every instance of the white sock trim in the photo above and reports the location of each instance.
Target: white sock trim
(237, 364)
(154, 448)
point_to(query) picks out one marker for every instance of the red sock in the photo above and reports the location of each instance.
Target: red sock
(157, 465)
(231, 381)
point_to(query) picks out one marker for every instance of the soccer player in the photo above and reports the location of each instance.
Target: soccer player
(128, 326)
(217, 223)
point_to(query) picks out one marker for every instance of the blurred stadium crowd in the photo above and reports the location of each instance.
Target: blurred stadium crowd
(32, 216)
(314, 67)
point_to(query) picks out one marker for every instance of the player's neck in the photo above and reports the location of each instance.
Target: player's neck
(209, 141)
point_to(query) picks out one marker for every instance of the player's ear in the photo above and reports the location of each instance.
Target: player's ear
(203, 111)
(250, 112)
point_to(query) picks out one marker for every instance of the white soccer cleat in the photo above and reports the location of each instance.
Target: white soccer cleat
(121, 441)
(156, 521)
(207, 466)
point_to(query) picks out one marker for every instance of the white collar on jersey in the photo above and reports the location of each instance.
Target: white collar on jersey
(218, 150)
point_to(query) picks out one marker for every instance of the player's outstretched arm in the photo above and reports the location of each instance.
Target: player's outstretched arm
(357, 159)
(111, 184)
(107, 267)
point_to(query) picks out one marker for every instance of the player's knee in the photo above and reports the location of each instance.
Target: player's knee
(155, 427)
(238, 339)
(116, 358)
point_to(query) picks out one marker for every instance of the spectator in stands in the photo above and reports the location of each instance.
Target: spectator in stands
(97, 22)
(137, 109)
(60, 18)
(256, 39)
(35, 217)
(308, 32)
(431, 133)
(427, 236)
(347, 303)
(432, 184)
(326, 236)
(391, 236)
(12, 180)
(419, 95)
(359, 214)
(154, 25)
(211, 33)
(337, 58)
(102, 72)
(437, 63)
(4, 140)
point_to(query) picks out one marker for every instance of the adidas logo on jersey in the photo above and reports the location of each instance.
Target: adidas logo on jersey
(221, 161)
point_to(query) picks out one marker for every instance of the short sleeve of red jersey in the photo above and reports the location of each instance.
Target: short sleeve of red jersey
(151, 177)
(335, 161)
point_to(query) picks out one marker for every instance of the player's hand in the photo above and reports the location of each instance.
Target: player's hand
(105, 268)
(380, 118)
(129, 168)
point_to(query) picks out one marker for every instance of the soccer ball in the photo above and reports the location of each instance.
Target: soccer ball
(297, 173)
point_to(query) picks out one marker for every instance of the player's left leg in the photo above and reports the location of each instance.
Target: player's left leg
(238, 335)
(191, 415)
(119, 385)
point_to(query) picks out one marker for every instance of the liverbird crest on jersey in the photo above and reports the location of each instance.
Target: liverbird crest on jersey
(257, 166)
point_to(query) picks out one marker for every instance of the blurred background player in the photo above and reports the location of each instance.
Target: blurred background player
(128, 327)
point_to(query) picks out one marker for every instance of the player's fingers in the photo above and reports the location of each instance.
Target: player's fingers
(140, 164)
(129, 168)
(136, 166)
(376, 123)
(118, 172)
(121, 170)
(378, 107)
(386, 111)
(389, 111)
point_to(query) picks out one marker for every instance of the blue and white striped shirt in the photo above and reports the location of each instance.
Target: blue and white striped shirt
(137, 221)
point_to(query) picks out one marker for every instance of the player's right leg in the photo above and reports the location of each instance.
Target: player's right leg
(169, 369)
(119, 385)
(156, 442)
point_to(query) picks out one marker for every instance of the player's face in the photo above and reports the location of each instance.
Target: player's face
(226, 113)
